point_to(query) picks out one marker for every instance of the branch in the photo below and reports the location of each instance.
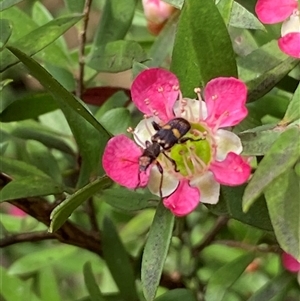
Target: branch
(81, 50)
(26, 237)
(210, 236)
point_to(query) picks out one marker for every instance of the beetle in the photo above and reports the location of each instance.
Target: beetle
(164, 139)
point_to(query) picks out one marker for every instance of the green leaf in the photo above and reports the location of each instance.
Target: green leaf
(118, 261)
(116, 19)
(18, 169)
(163, 44)
(48, 285)
(29, 187)
(272, 288)
(225, 7)
(91, 138)
(30, 106)
(38, 39)
(38, 260)
(116, 120)
(206, 55)
(281, 156)
(263, 68)
(14, 289)
(176, 3)
(117, 56)
(283, 203)
(293, 112)
(62, 212)
(156, 250)
(5, 32)
(91, 284)
(257, 141)
(179, 294)
(41, 157)
(4, 83)
(74, 6)
(221, 281)
(5, 4)
(128, 200)
(242, 18)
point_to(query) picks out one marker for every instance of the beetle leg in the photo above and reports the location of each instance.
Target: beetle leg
(185, 139)
(172, 161)
(156, 126)
(160, 169)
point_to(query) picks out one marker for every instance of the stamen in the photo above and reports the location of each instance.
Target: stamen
(187, 166)
(220, 118)
(198, 92)
(136, 137)
(199, 165)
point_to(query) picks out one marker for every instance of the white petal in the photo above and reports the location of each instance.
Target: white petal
(143, 131)
(291, 25)
(192, 110)
(227, 142)
(209, 188)
(169, 184)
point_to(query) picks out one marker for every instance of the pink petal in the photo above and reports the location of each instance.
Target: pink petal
(154, 91)
(274, 11)
(225, 98)
(15, 211)
(234, 170)
(121, 162)
(290, 263)
(290, 44)
(184, 200)
(157, 11)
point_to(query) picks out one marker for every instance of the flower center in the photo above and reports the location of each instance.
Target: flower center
(193, 156)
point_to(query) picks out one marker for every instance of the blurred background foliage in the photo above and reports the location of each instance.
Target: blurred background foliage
(71, 92)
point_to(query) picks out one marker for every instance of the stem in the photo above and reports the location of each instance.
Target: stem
(81, 50)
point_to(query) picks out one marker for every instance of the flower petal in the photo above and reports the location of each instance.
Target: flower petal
(291, 25)
(209, 188)
(225, 98)
(157, 11)
(191, 109)
(227, 142)
(274, 11)
(121, 162)
(184, 200)
(234, 170)
(154, 92)
(290, 44)
(144, 130)
(169, 183)
(290, 263)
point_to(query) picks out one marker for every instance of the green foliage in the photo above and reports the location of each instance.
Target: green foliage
(65, 91)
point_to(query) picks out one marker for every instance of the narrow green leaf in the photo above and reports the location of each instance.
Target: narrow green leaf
(29, 187)
(179, 294)
(35, 261)
(117, 56)
(163, 44)
(293, 111)
(91, 284)
(176, 3)
(30, 106)
(74, 6)
(4, 83)
(90, 135)
(119, 198)
(116, 19)
(281, 156)
(242, 18)
(38, 39)
(62, 212)
(273, 287)
(257, 141)
(5, 4)
(283, 203)
(226, 276)
(5, 32)
(156, 250)
(19, 169)
(225, 7)
(263, 68)
(14, 289)
(118, 261)
(48, 285)
(205, 55)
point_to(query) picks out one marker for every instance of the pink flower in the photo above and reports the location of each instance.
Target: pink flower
(15, 211)
(290, 263)
(202, 165)
(286, 11)
(157, 13)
